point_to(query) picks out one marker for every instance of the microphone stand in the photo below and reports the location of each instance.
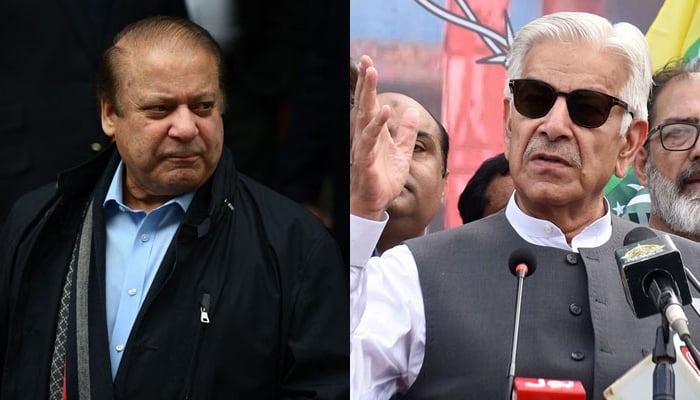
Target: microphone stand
(692, 279)
(664, 356)
(694, 352)
(516, 328)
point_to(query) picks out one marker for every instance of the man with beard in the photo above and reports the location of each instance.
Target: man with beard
(424, 191)
(669, 162)
(432, 318)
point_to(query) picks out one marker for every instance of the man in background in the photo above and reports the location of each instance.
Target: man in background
(424, 191)
(669, 162)
(488, 190)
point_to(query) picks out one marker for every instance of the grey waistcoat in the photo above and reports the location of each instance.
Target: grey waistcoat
(575, 321)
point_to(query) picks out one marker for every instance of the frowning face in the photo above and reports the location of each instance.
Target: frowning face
(169, 131)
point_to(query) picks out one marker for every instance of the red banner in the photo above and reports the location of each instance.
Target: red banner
(472, 97)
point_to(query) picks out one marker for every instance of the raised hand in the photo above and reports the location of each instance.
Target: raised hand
(379, 163)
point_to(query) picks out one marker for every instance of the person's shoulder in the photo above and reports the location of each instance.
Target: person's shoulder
(274, 207)
(266, 195)
(623, 224)
(472, 232)
(686, 245)
(34, 200)
(290, 229)
(29, 207)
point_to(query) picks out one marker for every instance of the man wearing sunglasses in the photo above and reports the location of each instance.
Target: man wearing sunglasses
(669, 162)
(433, 317)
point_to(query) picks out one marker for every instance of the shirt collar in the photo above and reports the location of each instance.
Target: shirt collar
(545, 233)
(115, 194)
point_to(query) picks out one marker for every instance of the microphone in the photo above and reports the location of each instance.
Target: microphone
(653, 277)
(521, 263)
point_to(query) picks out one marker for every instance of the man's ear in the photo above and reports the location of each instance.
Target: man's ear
(108, 115)
(506, 127)
(632, 142)
(639, 164)
(444, 186)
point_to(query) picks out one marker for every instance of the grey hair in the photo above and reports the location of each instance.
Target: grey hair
(623, 38)
(676, 68)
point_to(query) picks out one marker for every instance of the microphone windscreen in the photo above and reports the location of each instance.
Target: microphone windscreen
(638, 234)
(643, 259)
(523, 255)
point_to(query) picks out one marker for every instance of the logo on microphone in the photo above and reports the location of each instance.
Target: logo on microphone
(642, 251)
(552, 383)
(539, 388)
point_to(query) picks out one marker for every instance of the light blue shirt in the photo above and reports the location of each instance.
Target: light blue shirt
(136, 244)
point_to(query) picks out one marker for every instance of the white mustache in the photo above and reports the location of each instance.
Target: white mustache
(566, 150)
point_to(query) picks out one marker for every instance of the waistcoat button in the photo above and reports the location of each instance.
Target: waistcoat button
(575, 309)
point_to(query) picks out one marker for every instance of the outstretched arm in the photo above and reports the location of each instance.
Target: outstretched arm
(387, 328)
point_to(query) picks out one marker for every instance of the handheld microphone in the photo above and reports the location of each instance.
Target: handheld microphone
(653, 277)
(521, 263)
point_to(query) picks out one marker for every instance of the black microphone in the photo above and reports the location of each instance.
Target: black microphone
(653, 277)
(521, 263)
(522, 260)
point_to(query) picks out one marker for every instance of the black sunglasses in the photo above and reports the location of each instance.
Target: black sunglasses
(587, 108)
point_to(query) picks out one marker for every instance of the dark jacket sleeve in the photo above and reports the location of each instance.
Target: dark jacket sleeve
(312, 283)
(319, 332)
(23, 218)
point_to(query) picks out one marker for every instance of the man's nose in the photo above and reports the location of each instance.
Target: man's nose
(184, 123)
(557, 122)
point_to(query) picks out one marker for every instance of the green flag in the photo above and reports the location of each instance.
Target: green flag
(628, 199)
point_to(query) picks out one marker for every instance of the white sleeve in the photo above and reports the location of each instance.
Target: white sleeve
(387, 319)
